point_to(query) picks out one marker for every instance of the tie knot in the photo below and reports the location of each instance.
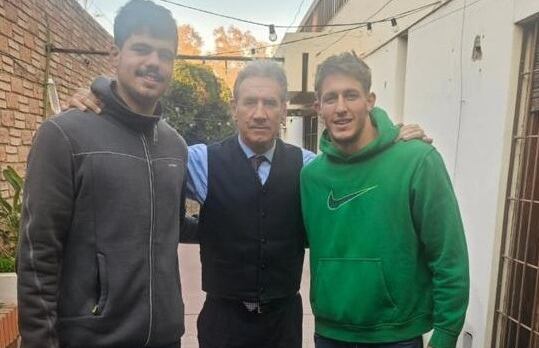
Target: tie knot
(256, 161)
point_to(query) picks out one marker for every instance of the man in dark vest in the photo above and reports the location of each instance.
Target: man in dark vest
(251, 232)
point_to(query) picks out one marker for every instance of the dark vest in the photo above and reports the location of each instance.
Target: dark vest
(252, 237)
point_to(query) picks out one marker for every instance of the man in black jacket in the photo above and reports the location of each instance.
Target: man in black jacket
(97, 262)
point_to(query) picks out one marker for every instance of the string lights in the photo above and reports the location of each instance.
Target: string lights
(272, 27)
(394, 25)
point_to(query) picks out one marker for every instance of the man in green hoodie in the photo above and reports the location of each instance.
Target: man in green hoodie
(387, 247)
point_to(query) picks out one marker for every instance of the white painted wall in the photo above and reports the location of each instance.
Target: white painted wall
(292, 53)
(388, 67)
(358, 40)
(355, 11)
(292, 133)
(468, 107)
(525, 8)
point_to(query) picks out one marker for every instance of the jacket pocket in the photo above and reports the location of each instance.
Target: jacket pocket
(352, 292)
(103, 285)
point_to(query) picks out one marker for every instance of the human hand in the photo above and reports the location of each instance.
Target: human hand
(84, 99)
(413, 131)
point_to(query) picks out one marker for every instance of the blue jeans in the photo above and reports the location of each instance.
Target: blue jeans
(322, 342)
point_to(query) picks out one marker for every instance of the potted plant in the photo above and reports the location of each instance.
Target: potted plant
(10, 214)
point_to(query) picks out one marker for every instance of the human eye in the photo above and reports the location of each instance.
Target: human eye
(352, 95)
(249, 102)
(141, 49)
(166, 55)
(270, 103)
(329, 98)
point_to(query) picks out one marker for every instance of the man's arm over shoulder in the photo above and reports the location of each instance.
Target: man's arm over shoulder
(47, 210)
(439, 224)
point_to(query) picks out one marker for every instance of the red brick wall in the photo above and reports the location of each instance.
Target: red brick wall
(22, 67)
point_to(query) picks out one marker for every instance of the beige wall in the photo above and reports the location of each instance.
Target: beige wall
(524, 9)
(388, 66)
(358, 40)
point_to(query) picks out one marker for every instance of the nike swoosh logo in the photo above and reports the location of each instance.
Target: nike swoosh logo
(336, 203)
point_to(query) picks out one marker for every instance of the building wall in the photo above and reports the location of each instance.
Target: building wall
(292, 133)
(22, 66)
(524, 9)
(388, 67)
(468, 107)
(358, 40)
(293, 54)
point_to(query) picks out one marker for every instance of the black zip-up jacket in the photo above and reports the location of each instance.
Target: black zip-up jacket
(97, 263)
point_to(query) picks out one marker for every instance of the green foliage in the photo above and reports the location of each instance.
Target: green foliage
(10, 216)
(7, 265)
(196, 104)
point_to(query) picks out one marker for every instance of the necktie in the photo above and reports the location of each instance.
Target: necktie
(256, 161)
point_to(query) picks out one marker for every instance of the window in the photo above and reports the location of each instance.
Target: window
(310, 133)
(516, 318)
(323, 13)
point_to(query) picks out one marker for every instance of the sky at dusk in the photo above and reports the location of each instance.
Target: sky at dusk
(272, 12)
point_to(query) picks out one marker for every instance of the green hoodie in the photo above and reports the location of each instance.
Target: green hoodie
(387, 248)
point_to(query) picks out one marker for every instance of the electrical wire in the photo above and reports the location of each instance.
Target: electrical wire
(215, 13)
(380, 9)
(444, 15)
(461, 90)
(102, 14)
(346, 34)
(360, 25)
(275, 25)
(296, 15)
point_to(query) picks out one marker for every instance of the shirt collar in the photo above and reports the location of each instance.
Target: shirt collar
(250, 153)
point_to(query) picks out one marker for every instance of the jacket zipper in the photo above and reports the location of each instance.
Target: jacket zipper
(150, 172)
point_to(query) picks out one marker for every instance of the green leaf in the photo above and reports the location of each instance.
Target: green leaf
(10, 217)
(13, 178)
(5, 205)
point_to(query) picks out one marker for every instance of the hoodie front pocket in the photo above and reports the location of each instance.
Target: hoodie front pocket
(103, 285)
(352, 292)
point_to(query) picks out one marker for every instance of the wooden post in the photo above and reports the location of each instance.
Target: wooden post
(48, 52)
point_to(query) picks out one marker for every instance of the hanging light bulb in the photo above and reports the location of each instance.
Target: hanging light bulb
(369, 28)
(272, 33)
(394, 25)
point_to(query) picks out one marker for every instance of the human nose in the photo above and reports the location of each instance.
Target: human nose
(341, 105)
(260, 111)
(153, 58)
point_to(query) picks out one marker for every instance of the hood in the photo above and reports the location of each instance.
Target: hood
(105, 89)
(387, 133)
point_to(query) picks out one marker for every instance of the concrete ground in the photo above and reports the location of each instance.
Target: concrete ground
(194, 297)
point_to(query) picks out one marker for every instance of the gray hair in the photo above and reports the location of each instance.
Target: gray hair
(262, 68)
